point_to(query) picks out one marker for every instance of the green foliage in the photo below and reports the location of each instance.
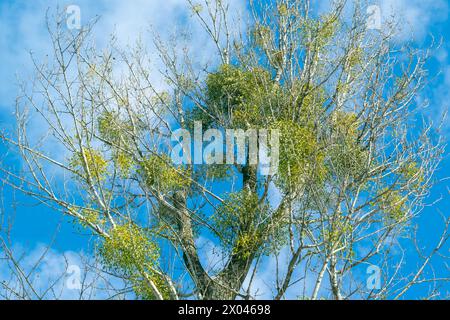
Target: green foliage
(262, 35)
(159, 173)
(129, 250)
(309, 102)
(143, 290)
(124, 163)
(116, 133)
(91, 217)
(197, 9)
(393, 204)
(247, 116)
(300, 157)
(338, 231)
(239, 93)
(111, 128)
(347, 157)
(234, 211)
(246, 243)
(342, 87)
(355, 57)
(283, 9)
(411, 173)
(319, 32)
(238, 210)
(345, 124)
(196, 114)
(242, 222)
(94, 162)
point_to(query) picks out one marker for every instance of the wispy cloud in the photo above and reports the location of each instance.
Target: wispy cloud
(51, 274)
(414, 17)
(23, 29)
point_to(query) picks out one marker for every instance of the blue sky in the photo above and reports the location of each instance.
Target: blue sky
(22, 28)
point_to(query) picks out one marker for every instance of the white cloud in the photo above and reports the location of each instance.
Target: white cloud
(415, 17)
(23, 29)
(55, 275)
(440, 97)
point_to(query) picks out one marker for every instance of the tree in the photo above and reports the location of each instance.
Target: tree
(355, 162)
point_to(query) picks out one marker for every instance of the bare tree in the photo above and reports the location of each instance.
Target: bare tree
(356, 160)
